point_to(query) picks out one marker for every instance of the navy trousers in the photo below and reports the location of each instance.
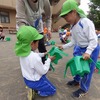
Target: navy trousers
(86, 79)
(43, 86)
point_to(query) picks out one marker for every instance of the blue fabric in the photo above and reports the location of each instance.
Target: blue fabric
(43, 86)
(80, 24)
(37, 22)
(99, 49)
(86, 79)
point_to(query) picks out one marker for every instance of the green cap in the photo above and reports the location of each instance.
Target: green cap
(25, 35)
(70, 5)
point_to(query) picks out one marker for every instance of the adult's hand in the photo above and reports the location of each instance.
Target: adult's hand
(60, 47)
(49, 34)
(51, 57)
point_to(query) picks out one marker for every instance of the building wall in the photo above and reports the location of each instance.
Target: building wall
(8, 4)
(57, 7)
(9, 7)
(56, 22)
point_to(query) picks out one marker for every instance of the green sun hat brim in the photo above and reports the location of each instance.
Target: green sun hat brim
(25, 35)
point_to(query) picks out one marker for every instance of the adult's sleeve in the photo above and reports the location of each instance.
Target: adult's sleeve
(20, 14)
(48, 14)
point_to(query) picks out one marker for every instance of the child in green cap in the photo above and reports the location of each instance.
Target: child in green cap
(33, 70)
(84, 40)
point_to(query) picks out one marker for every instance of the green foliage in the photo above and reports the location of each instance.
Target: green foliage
(94, 13)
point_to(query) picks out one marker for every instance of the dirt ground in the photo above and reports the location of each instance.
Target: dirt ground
(12, 86)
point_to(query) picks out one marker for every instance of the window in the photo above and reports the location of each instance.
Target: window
(4, 17)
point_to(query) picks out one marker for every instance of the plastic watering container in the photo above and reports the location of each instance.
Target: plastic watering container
(55, 51)
(52, 42)
(98, 66)
(78, 66)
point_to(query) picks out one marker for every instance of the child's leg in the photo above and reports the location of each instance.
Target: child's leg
(43, 86)
(46, 88)
(77, 52)
(86, 80)
(99, 51)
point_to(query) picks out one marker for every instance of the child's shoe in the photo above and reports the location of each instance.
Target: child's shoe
(31, 94)
(73, 83)
(79, 93)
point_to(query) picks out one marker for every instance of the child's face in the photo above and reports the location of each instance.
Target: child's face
(34, 45)
(71, 17)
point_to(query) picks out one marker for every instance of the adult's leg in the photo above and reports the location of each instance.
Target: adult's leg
(0, 37)
(42, 48)
(3, 37)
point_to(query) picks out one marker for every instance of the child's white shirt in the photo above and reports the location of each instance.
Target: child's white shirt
(32, 67)
(83, 35)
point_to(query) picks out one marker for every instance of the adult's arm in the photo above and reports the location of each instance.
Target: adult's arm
(48, 14)
(20, 14)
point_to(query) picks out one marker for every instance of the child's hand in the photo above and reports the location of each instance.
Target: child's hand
(45, 53)
(86, 56)
(60, 47)
(51, 57)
